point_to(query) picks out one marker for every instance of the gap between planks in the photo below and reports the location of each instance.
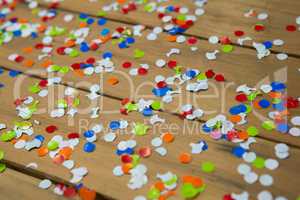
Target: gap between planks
(120, 99)
(293, 55)
(42, 175)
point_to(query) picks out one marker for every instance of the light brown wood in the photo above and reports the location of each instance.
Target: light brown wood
(221, 18)
(101, 162)
(241, 66)
(16, 185)
(218, 99)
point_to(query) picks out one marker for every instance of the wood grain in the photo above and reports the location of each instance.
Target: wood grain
(16, 185)
(101, 162)
(238, 67)
(221, 18)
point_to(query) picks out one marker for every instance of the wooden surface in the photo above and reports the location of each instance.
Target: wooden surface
(221, 18)
(17, 185)
(239, 67)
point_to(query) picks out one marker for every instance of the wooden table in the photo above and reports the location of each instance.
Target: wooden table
(241, 66)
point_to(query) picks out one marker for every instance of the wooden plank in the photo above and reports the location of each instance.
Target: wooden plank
(221, 18)
(239, 67)
(101, 162)
(16, 185)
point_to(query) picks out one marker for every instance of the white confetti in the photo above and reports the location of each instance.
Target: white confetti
(264, 195)
(45, 184)
(266, 180)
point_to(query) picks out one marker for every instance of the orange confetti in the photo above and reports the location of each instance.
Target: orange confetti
(42, 28)
(87, 194)
(66, 152)
(171, 38)
(185, 158)
(121, 1)
(235, 118)
(243, 135)
(79, 72)
(22, 20)
(256, 104)
(28, 63)
(126, 168)
(168, 137)
(197, 182)
(46, 63)
(159, 185)
(70, 43)
(27, 49)
(82, 24)
(113, 81)
(180, 22)
(42, 151)
(275, 95)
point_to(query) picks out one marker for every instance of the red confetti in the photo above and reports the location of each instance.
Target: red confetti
(51, 129)
(126, 159)
(70, 192)
(241, 98)
(144, 152)
(19, 59)
(292, 102)
(239, 33)
(161, 84)
(43, 83)
(192, 40)
(225, 40)
(227, 197)
(259, 27)
(172, 64)
(61, 50)
(210, 73)
(126, 65)
(90, 60)
(75, 66)
(125, 101)
(291, 28)
(73, 135)
(219, 78)
(142, 71)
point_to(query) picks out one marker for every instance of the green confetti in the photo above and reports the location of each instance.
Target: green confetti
(201, 76)
(156, 105)
(62, 103)
(171, 181)
(208, 167)
(64, 69)
(188, 191)
(2, 167)
(131, 107)
(227, 48)
(153, 193)
(55, 68)
(135, 160)
(248, 108)
(1, 154)
(101, 13)
(34, 88)
(268, 125)
(259, 163)
(52, 145)
(74, 53)
(8, 136)
(181, 17)
(140, 129)
(76, 102)
(138, 53)
(252, 131)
